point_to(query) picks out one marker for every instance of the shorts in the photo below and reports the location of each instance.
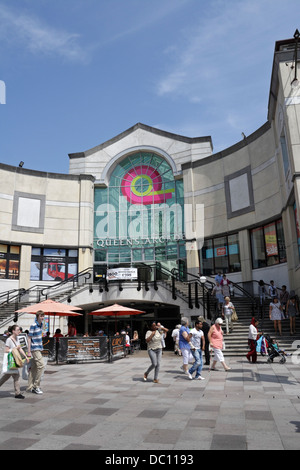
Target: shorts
(218, 355)
(185, 355)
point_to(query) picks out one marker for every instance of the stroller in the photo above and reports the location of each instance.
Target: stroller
(274, 351)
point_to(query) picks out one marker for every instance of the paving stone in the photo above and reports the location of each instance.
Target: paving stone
(109, 407)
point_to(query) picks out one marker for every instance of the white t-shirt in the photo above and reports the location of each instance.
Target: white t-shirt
(196, 338)
(175, 334)
(12, 343)
(227, 309)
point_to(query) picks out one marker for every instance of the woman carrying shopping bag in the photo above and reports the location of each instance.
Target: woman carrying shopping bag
(11, 343)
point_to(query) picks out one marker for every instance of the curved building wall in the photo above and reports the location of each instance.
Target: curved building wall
(248, 195)
(43, 211)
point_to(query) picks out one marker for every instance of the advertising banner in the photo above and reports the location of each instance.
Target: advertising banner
(124, 274)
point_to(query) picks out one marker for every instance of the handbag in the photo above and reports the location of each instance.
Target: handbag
(19, 361)
(234, 316)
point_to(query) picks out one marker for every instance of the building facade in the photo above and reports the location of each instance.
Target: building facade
(149, 197)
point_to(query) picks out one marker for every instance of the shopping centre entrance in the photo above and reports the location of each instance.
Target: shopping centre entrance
(167, 315)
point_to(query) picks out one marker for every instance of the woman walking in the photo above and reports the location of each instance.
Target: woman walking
(227, 311)
(11, 343)
(252, 337)
(275, 314)
(215, 337)
(154, 348)
(292, 311)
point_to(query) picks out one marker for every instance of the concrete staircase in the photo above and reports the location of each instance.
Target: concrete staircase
(236, 343)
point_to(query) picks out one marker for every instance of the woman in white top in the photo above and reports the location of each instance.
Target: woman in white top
(11, 343)
(227, 312)
(252, 337)
(154, 348)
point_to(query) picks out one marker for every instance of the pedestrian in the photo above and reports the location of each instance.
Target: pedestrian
(218, 277)
(217, 292)
(227, 311)
(164, 332)
(35, 348)
(272, 290)
(291, 311)
(225, 286)
(185, 344)
(11, 343)
(215, 337)
(262, 295)
(198, 342)
(205, 328)
(154, 348)
(275, 314)
(175, 336)
(283, 299)
(72, 331)
(252, 338)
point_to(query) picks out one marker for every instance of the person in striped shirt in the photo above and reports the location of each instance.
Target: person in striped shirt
(35, 348)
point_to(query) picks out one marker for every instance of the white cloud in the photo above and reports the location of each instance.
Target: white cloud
(228, 39)
(38, 37)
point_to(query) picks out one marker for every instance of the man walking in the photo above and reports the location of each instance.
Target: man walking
(35, 348)
(196, 339)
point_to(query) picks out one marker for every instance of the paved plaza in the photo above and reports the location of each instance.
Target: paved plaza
(104, 406)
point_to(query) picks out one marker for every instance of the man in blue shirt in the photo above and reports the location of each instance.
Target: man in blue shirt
(35, 348)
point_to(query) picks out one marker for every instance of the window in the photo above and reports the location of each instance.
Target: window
(220, 254)
(297, 227)
(285, 155)
(258, 248)
(139, 217)
(53, 264)
(9, 261)
(268, 245)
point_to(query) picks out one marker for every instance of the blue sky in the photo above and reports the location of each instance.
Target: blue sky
(79, 72)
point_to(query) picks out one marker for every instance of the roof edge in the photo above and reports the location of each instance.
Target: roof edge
(139, 125)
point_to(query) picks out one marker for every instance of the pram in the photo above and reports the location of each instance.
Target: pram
(274, 351)
(265, 346)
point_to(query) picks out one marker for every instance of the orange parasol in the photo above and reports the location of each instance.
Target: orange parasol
(52, 308)
(116, 310)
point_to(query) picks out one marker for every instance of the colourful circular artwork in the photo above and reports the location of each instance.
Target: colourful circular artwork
(143, 185)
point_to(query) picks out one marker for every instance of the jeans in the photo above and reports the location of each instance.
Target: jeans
(155, 357)
(198, 364)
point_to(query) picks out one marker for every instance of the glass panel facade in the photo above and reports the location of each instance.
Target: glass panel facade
(9, 261)
(268, 245)
(297, 227)
(53, 264)
(258, 248)
(139, 217)
(221, 254)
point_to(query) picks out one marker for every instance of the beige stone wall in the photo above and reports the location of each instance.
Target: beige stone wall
(41, 209)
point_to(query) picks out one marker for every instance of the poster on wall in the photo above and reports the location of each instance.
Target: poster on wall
(125, 274)
(271, 240)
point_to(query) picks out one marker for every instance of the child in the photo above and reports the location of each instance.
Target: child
(276, 347)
